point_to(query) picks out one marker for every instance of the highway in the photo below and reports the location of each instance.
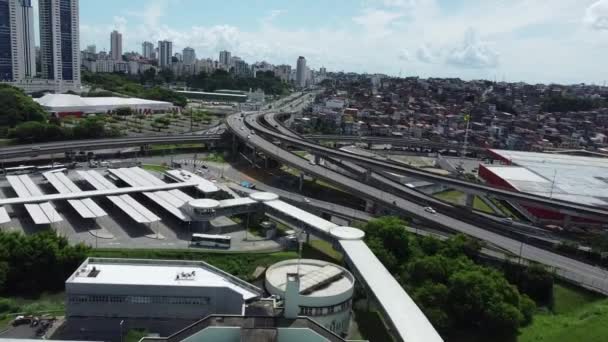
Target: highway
(98, 144)
(565, 207)
(585, 274)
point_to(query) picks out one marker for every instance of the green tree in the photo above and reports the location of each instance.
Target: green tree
(16, 107)
(388, 239)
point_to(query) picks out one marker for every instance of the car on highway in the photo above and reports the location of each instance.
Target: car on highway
(430, 210)
(306, 200)
(312, 162)
(249, 137)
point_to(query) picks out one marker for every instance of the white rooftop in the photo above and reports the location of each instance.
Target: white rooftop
(276, 275)
(69, 102)
(573, 178)
(159, 273)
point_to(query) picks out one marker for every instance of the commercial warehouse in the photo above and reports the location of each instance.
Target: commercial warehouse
(570, 178)
(61, 105)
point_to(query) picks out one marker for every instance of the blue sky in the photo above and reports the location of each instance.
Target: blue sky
(563, 41)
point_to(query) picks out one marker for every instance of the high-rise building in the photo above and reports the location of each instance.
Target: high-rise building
(60, 42)
(301, 72)
(116, 45)
(178, 57)
(17, 49)
(147, 49)
(283, 72)
(225, 58)
(165, 52)
(189, 56)
(92, 49)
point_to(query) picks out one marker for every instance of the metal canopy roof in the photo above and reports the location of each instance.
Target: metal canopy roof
(126, 203)
(187, 176)
(41, 213)
(86, 208)
(171, 201)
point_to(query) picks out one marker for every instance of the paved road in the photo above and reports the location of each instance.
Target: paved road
(565, 207)
(588, 275)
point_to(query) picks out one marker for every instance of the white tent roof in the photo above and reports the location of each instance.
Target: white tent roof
(68, 102)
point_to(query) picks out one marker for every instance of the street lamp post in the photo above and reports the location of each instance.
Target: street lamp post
(121, 323)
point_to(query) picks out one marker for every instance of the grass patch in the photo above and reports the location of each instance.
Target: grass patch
(134, 335)
(452, 196)
(569, 299)
(326, 248)
(301, 154)
(241, 265)
(157, 168)
(479, 204)
(578, 315)
(215, 158)
(459, 198)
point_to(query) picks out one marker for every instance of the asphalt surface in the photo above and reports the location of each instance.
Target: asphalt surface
(585, 274)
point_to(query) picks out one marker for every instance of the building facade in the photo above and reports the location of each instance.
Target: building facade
(17, 48)
(301, 72)
(165, 52)
(116, 45)
(112, 288)
(189, 56)
(60, 43)
(225, 58)
(147, 49)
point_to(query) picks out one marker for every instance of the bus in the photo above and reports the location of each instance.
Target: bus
(206, 240)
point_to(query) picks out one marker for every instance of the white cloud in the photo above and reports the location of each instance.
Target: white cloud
(404, 55)
(377, 22)
(428, 54)
(473, 53)
(596, 15)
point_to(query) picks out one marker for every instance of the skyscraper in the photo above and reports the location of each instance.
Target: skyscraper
(165, 52)
(147, 49)
(116, 45)
(189, 56)
(60, 42)
(225, 58)
(17, 49)
(301, 72)
(92, 49)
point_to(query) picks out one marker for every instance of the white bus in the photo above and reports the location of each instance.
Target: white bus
(206, 240)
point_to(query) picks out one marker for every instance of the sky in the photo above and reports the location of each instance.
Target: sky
(562, 41)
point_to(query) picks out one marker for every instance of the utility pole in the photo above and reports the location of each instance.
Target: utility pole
(553, 183)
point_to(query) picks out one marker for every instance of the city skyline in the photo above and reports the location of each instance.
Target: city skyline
(518, 41)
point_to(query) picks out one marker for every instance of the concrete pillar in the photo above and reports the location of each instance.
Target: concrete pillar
(266, 162)
(301, 185)
(369, 145)
(368, 175)
(369, 206)
(307, 237)
(317, 159)
(470, 200)
(235, 144)
(292, 296)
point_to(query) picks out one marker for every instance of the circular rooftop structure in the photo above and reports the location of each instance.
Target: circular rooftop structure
(264, 196)
(204, 203)
(321, 283)
(347, 233)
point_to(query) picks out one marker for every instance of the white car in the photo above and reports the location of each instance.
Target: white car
(306, 200)
(430, 210)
